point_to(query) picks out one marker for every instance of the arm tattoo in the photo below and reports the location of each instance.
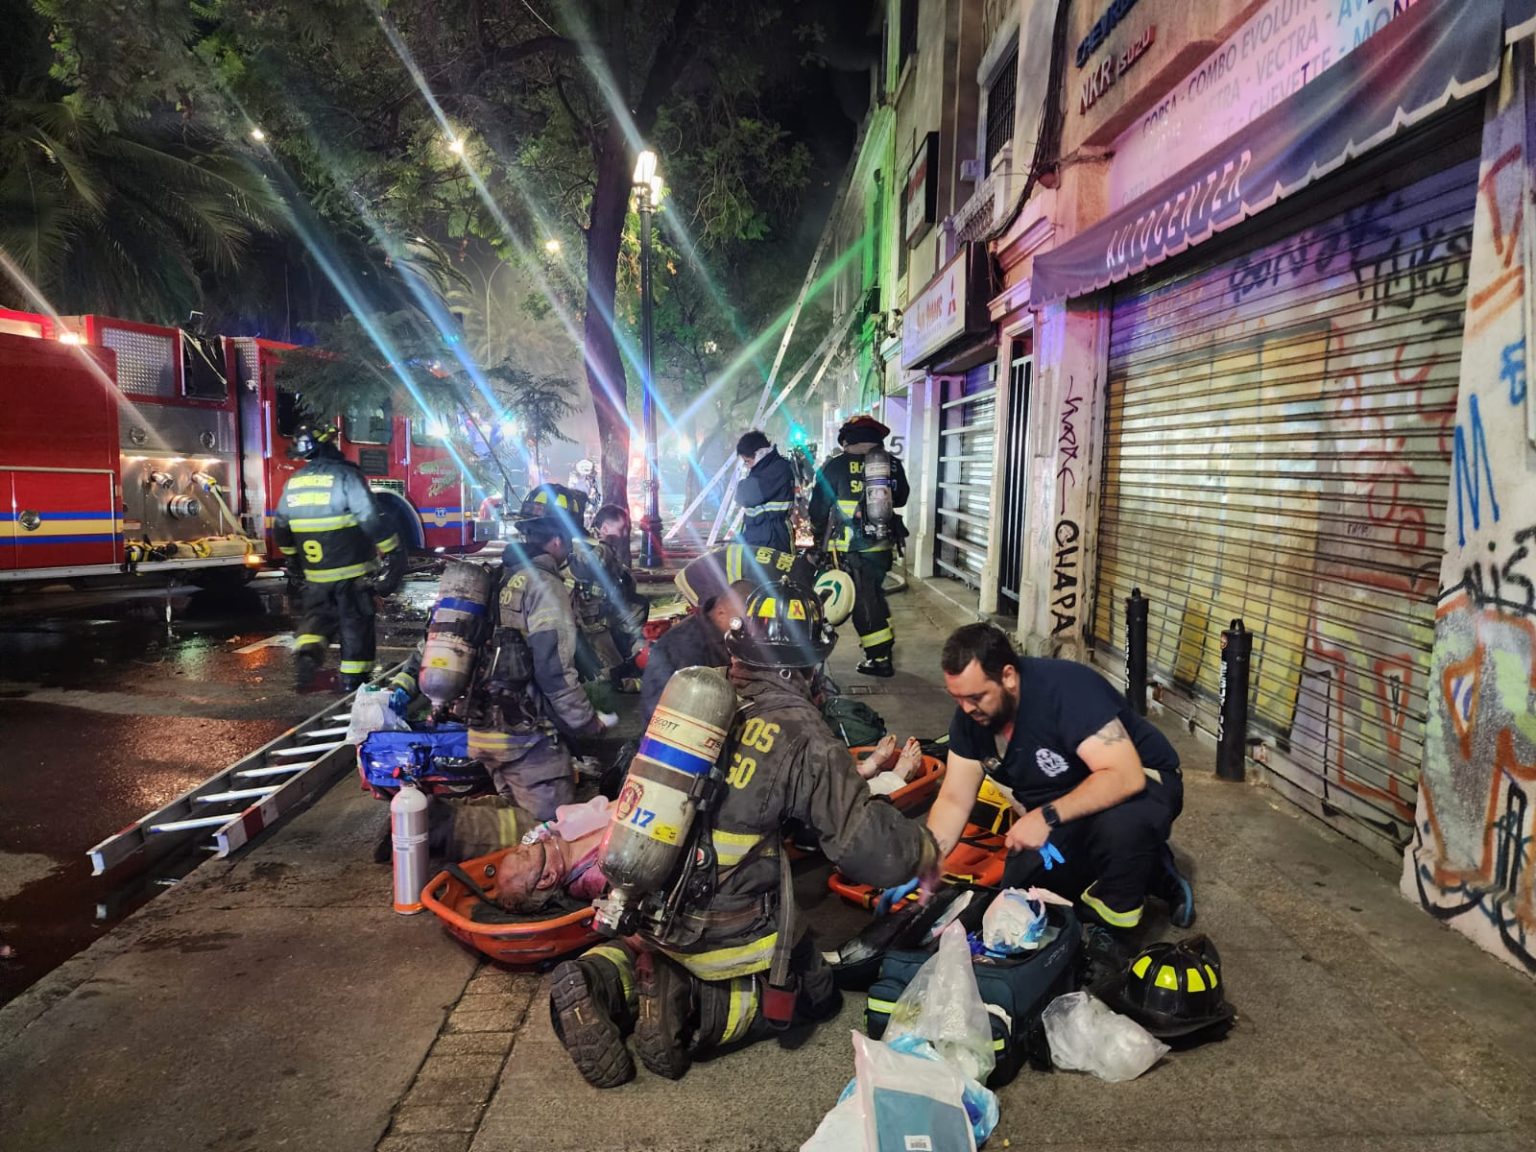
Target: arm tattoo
(1112, 733)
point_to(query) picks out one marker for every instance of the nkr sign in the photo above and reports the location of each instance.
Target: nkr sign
(1114, 66)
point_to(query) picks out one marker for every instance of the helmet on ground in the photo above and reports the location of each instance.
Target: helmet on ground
(782, 626)
(310, 437)
(835, 590)
(1174, 989)
(862, 430)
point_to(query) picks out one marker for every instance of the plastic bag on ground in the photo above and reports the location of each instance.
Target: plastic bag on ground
(943, 1006)
(1086, 1035)
(909, 1103)
(371, 713)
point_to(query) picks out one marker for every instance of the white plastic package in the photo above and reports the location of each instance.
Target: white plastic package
(943, 1006)
(371, 713)
(1086, 1035)
(909, 1104)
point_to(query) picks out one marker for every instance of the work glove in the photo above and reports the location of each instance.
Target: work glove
(399, 701)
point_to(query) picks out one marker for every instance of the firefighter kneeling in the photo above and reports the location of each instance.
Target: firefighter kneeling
(707, 952)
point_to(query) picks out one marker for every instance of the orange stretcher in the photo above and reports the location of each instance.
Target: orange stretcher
(531, 941)
(978, 858)
(920, 789)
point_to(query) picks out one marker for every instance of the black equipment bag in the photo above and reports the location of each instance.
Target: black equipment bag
(1015, 989)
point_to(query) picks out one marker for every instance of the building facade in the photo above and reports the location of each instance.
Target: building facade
(1228, 307)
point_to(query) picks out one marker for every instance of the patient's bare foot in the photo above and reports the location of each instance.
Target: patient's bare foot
(878, 761)
(910, 760)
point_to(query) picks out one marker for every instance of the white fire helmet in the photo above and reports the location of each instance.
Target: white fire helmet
(835, 591)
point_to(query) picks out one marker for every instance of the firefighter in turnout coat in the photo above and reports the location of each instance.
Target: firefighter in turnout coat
(706, 983)
(529, 703)
(329, 527)
(837, 513)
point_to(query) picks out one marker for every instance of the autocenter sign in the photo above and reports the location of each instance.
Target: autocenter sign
(1286, 45)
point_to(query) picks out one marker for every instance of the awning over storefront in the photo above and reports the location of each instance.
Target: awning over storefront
(1440, 51)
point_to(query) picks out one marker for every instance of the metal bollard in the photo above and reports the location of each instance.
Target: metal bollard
(1136, 606)
(1232, 737)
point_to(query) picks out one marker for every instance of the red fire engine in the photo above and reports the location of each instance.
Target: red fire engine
(124, 449)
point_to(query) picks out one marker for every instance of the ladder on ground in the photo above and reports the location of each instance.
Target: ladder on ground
(252, 794)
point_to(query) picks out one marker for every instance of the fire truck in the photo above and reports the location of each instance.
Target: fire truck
(132, 448)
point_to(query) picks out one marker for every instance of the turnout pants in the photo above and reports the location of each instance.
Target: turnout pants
(701, 1015)
(530, 768)
(871, 613)
(326, 609)
(1110, 859)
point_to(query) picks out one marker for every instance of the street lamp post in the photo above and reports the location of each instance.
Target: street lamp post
(648, 189)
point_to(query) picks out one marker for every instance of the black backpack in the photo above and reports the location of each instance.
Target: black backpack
(1015, 990)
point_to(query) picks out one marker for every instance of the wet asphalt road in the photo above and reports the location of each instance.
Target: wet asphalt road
(111, 704)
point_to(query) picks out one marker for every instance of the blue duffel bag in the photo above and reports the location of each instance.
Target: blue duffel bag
(438, 758)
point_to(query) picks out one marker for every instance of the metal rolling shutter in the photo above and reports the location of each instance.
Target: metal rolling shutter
(1279, 449)
(967, 412)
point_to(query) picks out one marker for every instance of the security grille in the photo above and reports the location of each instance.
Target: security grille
(1279, 450)
(964, 509)
(1000, 105)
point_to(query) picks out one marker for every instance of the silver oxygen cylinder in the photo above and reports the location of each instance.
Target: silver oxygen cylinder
(408, 836)
(879, 493)
(457, 621)
(648, 830)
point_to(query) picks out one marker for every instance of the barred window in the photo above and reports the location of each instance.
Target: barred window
(1000, 104)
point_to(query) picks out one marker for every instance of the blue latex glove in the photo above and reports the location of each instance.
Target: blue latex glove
(399, 701)
(894, 896)
(1051, 855)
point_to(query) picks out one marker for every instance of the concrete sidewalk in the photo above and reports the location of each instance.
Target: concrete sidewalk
(277, 1002)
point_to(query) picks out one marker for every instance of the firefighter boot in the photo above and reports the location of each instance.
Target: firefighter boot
(663, 1025)
(306, 669)
(351, 682)
(876, 666)
(1174, 889)
(588, 1007)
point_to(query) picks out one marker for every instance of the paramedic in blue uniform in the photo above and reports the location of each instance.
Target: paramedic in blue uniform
(1095, 780)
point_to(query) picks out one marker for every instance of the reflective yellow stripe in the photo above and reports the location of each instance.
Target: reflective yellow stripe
(309, 640)
(1193, 981)
(621, 960)
(1167, 978)
(404, 680)
(332, 575)
(732, 847)
(506, 822)
(742, 1010)
(388, 544)
(886, 1006)
(1109, 915)
(287, 551)
(323, 523)
(312, 480)
(355, 667)
(770, 506)
(726, 963)
(481, 740)
(1139, 969)
(883, 636)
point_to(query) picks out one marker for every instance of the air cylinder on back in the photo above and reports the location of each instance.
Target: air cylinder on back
(648, 831)
(879, 494)
(458, 621)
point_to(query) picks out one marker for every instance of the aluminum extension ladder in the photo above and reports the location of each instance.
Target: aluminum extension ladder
(252, 794)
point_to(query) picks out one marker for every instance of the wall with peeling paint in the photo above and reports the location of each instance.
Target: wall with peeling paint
(1474, 846)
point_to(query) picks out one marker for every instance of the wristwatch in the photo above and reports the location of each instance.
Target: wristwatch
(1052, 817)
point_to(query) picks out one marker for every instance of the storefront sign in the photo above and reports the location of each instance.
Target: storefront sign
(1101, 29)
(1394, 80)
(953, 305)
(1285, 46)
(922, 189)
(1103, 78)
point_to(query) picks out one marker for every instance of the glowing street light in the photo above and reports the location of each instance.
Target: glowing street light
(258, 135)
(456, 146)
(552, 246)
(648, 188)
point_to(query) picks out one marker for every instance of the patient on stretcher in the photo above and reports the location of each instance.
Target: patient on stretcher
(887, 769)
(556, 864)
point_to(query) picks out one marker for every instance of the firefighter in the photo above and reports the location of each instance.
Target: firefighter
(329, 527)
(841, 518)
(529, 704)
(704, 984)
(766, 494)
